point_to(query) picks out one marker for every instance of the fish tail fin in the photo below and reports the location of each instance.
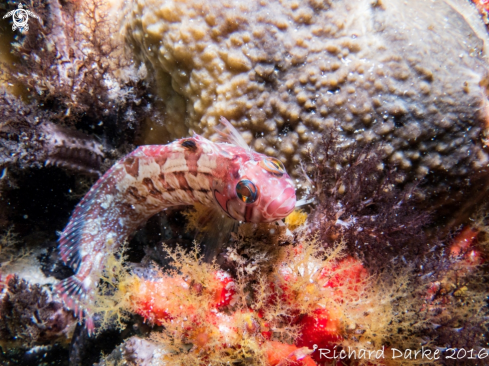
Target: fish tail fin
(75, 297)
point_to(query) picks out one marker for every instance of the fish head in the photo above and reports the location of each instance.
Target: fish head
(258, 190)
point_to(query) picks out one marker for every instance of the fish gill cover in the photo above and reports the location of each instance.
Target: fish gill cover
(377, 109)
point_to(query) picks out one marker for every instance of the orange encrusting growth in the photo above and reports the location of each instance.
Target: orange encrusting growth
(279, 354)
(295, 219)
(155, 300)
(463, 245)
(213, 314)
(304, 301)
(348, 273)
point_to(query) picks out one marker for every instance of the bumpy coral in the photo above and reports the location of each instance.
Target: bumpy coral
(285, 71)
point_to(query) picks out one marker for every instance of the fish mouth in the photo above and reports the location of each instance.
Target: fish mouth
(283, 205)
(286, 208)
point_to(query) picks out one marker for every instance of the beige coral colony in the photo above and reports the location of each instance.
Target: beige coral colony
(244, 182)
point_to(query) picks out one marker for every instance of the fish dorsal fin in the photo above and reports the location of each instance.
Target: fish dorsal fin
(230, 134)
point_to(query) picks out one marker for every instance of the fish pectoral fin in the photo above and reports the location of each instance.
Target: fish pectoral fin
(211, 225)
(205, 219)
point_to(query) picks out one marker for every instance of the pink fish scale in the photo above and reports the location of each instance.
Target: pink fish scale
(155, 177)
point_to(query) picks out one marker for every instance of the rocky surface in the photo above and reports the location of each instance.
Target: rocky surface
(410, 75)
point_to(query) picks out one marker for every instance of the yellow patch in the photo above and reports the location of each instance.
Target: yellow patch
(295, 219)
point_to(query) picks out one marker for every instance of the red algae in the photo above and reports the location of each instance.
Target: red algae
(280, 319)
(156, 300)
(280, 303)
(320, 328)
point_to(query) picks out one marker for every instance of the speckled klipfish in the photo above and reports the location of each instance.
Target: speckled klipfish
(226, 176)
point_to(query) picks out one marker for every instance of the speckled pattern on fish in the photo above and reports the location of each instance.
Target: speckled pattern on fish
(245, 185)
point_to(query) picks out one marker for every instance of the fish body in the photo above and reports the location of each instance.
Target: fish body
(244, 185)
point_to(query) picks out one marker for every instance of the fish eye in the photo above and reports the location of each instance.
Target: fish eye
(274, 166)
(246, 191)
